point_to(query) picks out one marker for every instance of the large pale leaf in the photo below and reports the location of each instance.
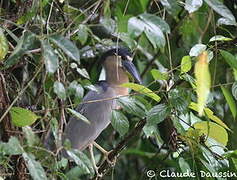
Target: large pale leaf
(67, 46)
(234, 90)
(75, 89)
(82, 33)
(81, 160)
(155, 21)
(36, 170)
(152, 25)
(3, 45)
(28, 41)
(203, 80)
(171, 6)
(22, 117)
(212, 130)
(83, 72)
(50, 58)
(120, 122)
(59, 90)
(30, 136)
(197, 49)
(221, 9)
(192, 5)
(143, 90)
(12, 147)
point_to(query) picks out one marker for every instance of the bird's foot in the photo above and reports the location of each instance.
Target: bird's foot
(106, 155)
(98, 175)
(110, 162)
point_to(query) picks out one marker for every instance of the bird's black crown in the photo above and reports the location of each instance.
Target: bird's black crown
(123, 52)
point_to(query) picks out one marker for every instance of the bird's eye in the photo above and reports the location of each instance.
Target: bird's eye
(123, 57)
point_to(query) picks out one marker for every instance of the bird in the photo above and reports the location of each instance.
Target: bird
(97, 105)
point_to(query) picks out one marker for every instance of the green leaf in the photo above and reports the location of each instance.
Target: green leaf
(209, 113)
(184, 166)
(219, 38)
(83, 72)
(81, 160)
(230, 101)
(197, 49)
(36, 170)
(211, 116)
(30, 136)
(59, 90)
(82, 33)
(142, 89)
(12, 147)
(135, 27)
(22, 117)
(67, 46)
(50, 58)
(229, 58)
(119, 122)
(186, 64)
(129, 104)
(226, 21)
(152, 26)
(234, 90)
(179, 99)
(157, 114)
(221, 9)
(192, 5)
(157, 75)
(210, 129)
(78, 115)
(171, 6)
(150, 130)
(27, 42)
(155, 21)
(26, 17)
(75, 89)
(3, 45)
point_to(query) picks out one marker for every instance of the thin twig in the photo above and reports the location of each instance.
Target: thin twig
(20, 93)
(105, 166)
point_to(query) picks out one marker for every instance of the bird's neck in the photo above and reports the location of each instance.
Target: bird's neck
(115, 77)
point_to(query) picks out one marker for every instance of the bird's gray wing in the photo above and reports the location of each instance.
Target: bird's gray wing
(79, 133)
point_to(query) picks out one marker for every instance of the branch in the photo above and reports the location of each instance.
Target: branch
(105, 166)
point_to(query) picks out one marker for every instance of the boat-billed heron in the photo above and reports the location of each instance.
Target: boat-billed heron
(97, 105)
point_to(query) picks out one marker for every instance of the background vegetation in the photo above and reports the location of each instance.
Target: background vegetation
(49, 51)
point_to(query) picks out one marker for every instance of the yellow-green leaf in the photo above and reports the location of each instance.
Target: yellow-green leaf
(212, 130)
(157, 75)
(3, 45)
(203, 80)
(186, 64)
(209, 113)
(22, 117)
(211, 116)
(143, 90)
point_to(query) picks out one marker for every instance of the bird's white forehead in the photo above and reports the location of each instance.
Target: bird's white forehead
(129, 58)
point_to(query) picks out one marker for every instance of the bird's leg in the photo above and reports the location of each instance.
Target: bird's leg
(106, 154)
(93, 160)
